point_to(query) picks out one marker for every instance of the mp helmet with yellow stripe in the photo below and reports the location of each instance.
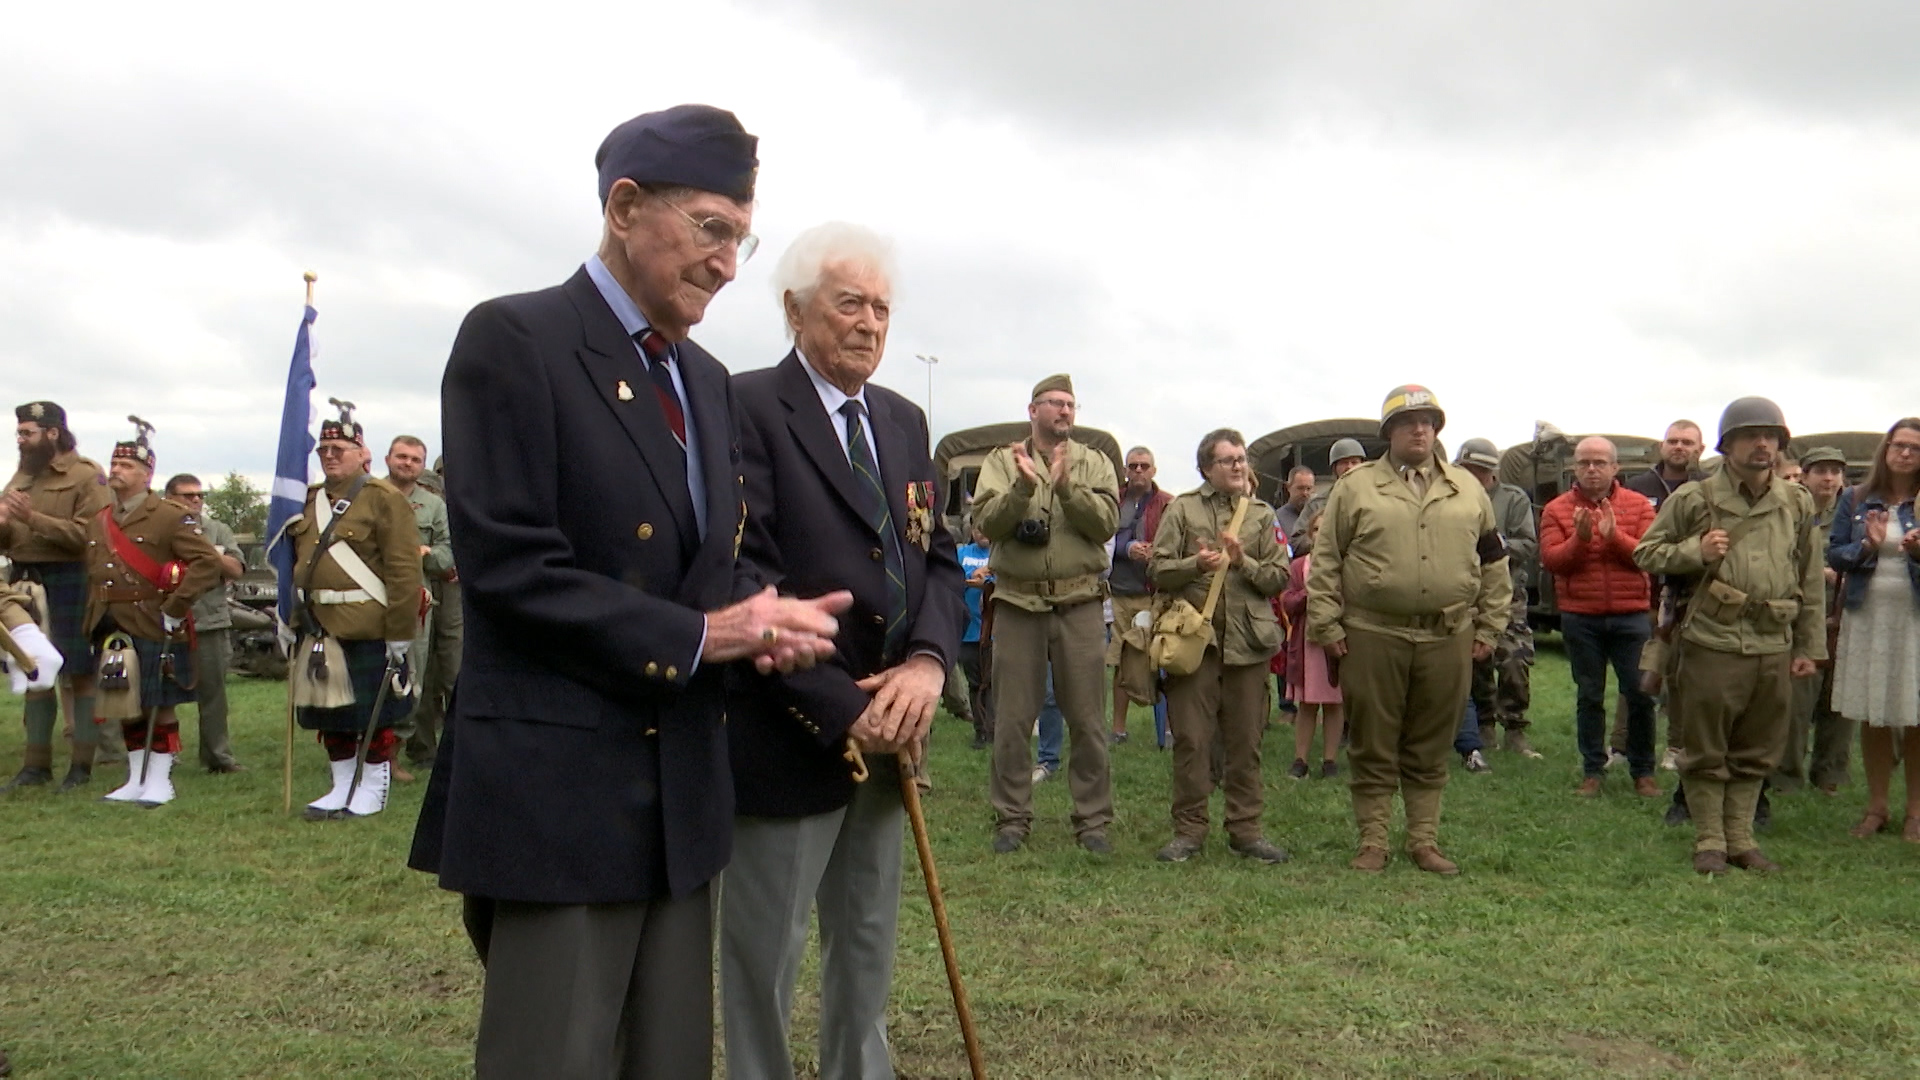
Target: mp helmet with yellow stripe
(1406, 399)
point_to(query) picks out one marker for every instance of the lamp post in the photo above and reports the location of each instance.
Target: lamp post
(929, 361)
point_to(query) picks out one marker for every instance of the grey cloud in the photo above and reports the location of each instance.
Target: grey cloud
(1101, 69)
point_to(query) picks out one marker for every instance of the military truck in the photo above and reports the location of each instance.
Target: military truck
(957, 459)
(1278, 453)
(251, 599)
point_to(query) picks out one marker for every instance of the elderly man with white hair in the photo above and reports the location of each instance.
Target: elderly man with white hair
(840, 491)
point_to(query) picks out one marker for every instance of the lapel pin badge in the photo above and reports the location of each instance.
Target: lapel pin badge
(623, 391)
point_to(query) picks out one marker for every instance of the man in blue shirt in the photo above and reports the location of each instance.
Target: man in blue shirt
(973, 563)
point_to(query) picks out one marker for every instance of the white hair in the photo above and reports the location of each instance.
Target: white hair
(806, 260)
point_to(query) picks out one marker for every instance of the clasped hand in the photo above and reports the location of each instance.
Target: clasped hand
(780, 633)
(901, 710)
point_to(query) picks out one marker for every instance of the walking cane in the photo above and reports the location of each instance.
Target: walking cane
(388, 676)
(910, 794)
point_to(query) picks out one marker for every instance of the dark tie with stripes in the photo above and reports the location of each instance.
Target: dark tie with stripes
(866, 477)
(659, 355)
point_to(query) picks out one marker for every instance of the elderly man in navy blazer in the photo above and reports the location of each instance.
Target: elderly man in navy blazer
(840, 495)
(582, 801)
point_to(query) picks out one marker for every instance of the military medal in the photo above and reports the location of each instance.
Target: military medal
(920, 513)
(623, 391)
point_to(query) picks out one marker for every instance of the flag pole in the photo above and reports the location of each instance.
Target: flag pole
(286, 765)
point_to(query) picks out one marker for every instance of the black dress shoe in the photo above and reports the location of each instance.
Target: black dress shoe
(1007, 842)
(1097, 843)
(226, 768)
(77, 775)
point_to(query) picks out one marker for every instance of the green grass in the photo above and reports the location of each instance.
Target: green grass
(219, 938)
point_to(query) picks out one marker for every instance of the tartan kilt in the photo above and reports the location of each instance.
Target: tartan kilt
(66, 585)
(156, 690)
(366, 663)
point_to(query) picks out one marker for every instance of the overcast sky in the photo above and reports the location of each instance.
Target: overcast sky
(1252, 214)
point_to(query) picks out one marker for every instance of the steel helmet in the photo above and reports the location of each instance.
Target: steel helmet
(1345, 448)
(1751, 412)
(1479, 452)
(1403, 399)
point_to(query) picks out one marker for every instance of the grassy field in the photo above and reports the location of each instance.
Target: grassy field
(219, 938)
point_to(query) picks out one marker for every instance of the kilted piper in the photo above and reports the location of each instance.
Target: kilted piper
(357, 565)
(148, 560)
(43, 534)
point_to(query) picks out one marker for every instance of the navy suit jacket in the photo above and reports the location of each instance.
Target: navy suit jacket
(586, 757)
(805, 534)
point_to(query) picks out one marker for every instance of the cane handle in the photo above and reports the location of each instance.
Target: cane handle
(854, 757)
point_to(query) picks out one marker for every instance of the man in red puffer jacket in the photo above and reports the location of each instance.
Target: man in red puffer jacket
(1587, 537)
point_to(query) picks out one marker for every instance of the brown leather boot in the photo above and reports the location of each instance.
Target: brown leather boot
(1371, 859)
(1710, 862)
(1427, 857)
(1752, 859)
(1646, 787)
(1588, 788)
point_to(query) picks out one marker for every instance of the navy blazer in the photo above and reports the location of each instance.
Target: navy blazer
(805, 534)
(585, 759)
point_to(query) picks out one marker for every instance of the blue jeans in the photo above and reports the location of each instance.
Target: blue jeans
(1593, 642)
(1467, 739)
(1053, 729)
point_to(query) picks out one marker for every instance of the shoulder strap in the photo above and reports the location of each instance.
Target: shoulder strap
(1220, 576)
(130, 554)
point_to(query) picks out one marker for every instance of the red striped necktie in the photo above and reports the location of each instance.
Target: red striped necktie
(659, 354)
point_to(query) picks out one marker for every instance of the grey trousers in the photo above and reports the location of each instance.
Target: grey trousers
(210, 663)
(597, 991)
(847, 865)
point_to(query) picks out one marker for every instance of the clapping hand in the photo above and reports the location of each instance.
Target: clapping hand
(1236, 554)
(1911, 543)
(780, 633)
(1023, 462)
(1606, 521)
(1876, 521)
(1583, 524)
(1209, 559)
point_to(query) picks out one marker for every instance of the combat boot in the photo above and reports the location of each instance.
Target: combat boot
(1423, 830)
(80, 769)
(129, 791)
(36, 768)
(1707, 798)
(1742, 850)
(1489, 736)
(1517, 743)
(1372, 813)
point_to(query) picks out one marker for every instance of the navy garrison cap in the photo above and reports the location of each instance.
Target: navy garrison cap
(695, 146)
(44, 413)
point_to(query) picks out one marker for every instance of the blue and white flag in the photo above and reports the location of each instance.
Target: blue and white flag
(290, 467)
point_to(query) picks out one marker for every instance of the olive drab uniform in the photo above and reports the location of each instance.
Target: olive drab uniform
(1751, 614)
(420, 731)
(356, 596)
(1228, 694)
(148, 560)
(1503, 683)
(47, 551)
(1047, 613)
(1410, 579)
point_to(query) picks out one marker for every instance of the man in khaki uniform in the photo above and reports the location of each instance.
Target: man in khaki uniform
(1409, 588)
(359, 614)
(1048, 505)
(1345, 455)
(1823, 472)
(406, 462)
(43, 531)
(1753, 624)
(1227, 695)
(1503, 683)
(212, 629)
(148, 560)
